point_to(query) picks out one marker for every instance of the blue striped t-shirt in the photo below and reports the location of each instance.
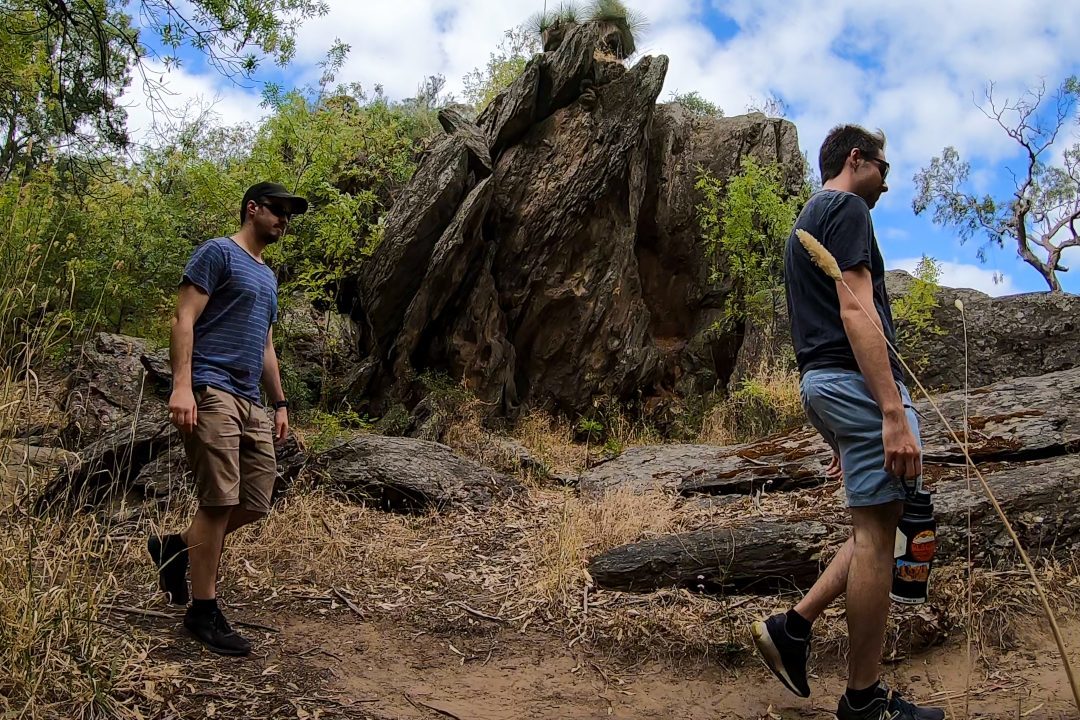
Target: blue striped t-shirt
(230, 335)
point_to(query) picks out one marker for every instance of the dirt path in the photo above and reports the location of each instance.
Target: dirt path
(385, 672)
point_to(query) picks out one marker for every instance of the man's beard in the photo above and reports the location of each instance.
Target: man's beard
(270, 236)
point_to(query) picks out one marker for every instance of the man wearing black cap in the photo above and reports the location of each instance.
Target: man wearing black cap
(221, 347)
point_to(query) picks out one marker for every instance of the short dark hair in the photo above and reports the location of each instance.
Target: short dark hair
(243, 208)
(839, 143)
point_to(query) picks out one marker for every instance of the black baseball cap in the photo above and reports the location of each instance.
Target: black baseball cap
(294, 203)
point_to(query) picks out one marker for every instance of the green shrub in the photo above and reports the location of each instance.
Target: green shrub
(913, 314)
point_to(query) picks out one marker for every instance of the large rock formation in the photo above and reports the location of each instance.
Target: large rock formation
(548, 253)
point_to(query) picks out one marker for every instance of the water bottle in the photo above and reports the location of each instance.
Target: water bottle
(916, 541)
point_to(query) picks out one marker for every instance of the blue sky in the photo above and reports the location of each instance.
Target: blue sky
(914, 69)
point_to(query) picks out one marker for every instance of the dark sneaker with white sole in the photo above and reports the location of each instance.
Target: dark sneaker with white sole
(213, 630)
(170, 555)
(785, 655)
(889, 707)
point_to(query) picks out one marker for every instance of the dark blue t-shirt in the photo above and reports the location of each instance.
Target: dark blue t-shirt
(230, 335)
(841, 221)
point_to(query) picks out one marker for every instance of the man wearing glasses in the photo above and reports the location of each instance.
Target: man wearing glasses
(852, 389)
(221, 348)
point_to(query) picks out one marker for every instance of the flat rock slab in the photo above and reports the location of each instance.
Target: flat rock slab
(1020, 418)
(783, 463)
(409, 475)
(1026, 418)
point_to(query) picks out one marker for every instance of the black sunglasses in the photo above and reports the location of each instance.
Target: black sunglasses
(279, 210)
(883, 165)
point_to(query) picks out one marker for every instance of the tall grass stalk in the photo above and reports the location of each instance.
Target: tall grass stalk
(970, 622)
(827, 263)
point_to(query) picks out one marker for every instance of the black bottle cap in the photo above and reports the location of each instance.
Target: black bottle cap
(920, 504)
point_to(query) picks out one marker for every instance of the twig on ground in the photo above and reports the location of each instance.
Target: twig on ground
(476, 613)
(350, 603)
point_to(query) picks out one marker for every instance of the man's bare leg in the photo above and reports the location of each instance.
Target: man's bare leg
(869, 579)
(205, 539)
(830, 585)
(242, 516)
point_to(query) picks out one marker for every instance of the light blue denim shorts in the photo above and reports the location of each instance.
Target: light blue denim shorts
(839, 404)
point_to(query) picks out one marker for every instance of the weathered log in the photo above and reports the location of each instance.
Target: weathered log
(782, 463)
(1037, 496)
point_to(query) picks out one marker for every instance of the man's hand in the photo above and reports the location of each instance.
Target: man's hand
(183, 410)
(281, 425)
(903, 458)
(834, 471)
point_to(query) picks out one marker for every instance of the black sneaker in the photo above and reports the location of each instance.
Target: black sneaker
(213, 631)
(889, 707)
(170, 555)
(785, 655)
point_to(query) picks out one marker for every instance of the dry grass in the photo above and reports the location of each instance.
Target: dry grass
(525, 563)
(551, 441)
(585, 527)
(762, 405)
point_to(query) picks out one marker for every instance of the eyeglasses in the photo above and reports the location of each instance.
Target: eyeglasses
(883, 165)
(280, 211)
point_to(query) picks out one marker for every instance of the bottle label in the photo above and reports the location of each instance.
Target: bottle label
(923, 546)
(913, 572)
(900, 544)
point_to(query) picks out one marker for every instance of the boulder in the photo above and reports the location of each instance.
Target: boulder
(109, 383)
(409, 475)
(1009, 336)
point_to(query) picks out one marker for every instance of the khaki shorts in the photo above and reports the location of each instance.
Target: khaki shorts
(231, 452)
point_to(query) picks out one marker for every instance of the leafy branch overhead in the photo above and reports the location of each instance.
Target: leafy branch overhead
(1041, 217)
(66, 63)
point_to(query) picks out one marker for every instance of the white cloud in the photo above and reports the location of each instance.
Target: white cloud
(186, 93)
(963, 275)
(914, 69)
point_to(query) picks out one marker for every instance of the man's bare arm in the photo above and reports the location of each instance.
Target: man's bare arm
(271, 379)
(864, 331)
(189, 306)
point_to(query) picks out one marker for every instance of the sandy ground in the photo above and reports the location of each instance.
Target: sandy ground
(339, 665)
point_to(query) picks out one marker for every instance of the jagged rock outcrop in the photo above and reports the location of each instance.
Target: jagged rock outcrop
(559, 261)
(1010, 336)
(1024, 434)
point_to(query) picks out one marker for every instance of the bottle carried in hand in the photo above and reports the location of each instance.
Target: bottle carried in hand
(916, 541)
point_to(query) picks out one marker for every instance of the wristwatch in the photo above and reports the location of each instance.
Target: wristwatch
(281, 404)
